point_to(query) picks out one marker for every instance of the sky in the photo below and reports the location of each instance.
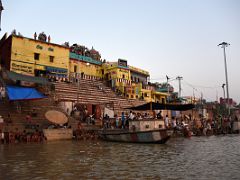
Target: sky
(164, 37)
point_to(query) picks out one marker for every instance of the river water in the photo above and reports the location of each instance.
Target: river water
(214, 157)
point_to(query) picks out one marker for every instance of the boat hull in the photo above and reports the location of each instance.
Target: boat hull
(160, 136)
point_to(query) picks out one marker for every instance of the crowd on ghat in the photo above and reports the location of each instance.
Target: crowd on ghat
(30, 133)
(21, 136)
(186, 124)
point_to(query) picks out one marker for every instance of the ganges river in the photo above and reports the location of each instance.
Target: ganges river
(214, 157)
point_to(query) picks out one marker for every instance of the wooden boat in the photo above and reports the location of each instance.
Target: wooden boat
(139, 131)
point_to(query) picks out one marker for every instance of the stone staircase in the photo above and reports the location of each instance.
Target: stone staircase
(89, 92)
(19, 110)
(93, 92)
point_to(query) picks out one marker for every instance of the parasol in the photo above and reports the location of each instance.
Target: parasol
(56, 117)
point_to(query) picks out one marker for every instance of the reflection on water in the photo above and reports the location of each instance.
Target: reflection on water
(215, 157)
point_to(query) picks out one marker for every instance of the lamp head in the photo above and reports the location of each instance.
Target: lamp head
(224, 44)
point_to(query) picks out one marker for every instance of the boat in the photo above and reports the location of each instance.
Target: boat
(139, 131)
(144, 130)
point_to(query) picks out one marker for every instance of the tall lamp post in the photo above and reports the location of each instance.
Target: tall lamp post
(1, 9)
(224, 45)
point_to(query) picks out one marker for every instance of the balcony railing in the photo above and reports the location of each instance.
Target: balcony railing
(84, 58)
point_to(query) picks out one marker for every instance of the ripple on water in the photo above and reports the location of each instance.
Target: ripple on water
(215, 157)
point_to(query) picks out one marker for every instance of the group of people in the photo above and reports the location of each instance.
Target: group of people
(21, 136)
(202, 126)
(81, 134)
(29, 133)
(219, 125)
(118, 122)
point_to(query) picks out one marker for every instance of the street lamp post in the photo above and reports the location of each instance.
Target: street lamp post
(1, 9)
(224, 45)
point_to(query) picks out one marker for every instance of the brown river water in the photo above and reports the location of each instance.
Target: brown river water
(214, 157)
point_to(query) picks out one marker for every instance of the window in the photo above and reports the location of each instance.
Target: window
(123, 76)
(75, 68)
(36, 56)
(51, 58)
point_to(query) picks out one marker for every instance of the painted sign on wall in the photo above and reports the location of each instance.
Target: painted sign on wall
(22, 67)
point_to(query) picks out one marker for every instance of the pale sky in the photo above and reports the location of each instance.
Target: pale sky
(164, 37)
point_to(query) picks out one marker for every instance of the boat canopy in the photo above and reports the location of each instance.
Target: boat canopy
(159, 106)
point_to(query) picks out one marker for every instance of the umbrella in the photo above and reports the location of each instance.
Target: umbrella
(56, 117)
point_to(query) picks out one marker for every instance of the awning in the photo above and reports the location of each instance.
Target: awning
(16, 93)
(158, 106)
(160, 93)
(15, 76)
(56, 70)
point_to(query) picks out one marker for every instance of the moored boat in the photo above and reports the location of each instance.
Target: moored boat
(139, 131)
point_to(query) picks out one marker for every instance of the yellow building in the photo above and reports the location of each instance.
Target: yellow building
(153, 96)
(34, 57)
(139, 79)
(85, 66)
(147, 95)
(159, 97)
(133, 91)
(42, 58)
(118, 75)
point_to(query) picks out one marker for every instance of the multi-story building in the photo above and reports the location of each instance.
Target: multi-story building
(151, 95)
(34, 57)
(139, 81)
(85, 63)
(117, 75)
(40, 57)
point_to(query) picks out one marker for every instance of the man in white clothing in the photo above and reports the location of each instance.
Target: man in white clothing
(166, 121)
